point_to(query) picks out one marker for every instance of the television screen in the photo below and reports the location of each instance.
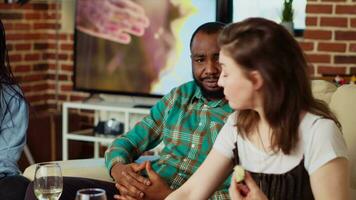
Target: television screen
(149, 59)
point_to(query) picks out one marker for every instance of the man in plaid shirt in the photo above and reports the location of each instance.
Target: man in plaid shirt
(187, 121)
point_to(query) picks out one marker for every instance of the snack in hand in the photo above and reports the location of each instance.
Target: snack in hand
(239, 173)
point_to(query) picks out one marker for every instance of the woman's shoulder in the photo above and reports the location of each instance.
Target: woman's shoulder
(322, 141)
(316, 130)
(232, 118)
(11, 92)
(312, 122)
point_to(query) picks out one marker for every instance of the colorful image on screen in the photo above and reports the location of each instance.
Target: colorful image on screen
(147, 60)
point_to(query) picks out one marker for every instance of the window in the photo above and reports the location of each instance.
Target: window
(271, 9)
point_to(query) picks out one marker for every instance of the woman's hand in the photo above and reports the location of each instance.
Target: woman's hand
(247, 191)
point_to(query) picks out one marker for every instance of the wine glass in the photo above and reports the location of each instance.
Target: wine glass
(91, 194)
(48, 182)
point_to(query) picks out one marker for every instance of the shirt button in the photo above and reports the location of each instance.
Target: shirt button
(172, 187)
(193, 145)
(200, 124)
(185, 160)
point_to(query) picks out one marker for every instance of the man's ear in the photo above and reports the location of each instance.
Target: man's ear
(257, 79)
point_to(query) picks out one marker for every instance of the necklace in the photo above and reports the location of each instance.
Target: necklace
(261, 141)
(261, 160)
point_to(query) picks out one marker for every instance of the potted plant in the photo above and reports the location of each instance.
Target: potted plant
(287, 15)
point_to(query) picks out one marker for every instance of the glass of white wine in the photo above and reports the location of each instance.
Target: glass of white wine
(48, 182)
(91, 194)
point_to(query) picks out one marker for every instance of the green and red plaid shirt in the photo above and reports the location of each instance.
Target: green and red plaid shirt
(188, 125)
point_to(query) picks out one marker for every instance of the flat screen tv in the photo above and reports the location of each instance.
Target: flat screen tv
(149, 65)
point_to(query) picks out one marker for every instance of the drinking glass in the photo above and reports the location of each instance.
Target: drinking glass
(48, 182)
(91, 194)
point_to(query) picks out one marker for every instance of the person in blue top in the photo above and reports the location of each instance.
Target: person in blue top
(13, 127)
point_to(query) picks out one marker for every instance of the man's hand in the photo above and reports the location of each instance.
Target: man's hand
(128, 181)
(159, 189)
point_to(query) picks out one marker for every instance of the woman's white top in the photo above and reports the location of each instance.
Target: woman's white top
(320, 141)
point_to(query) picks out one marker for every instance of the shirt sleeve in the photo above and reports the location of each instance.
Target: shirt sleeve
(144, 136)
(324, 143)
(225, 142)
(14, 123)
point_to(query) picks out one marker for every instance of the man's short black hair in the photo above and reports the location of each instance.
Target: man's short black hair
(209, 28)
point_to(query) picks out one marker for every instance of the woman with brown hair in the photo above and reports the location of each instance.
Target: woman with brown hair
(289, 143)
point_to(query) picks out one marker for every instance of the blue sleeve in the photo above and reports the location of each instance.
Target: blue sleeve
(13, 128)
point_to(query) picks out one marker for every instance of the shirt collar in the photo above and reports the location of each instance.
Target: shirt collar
(198, 96)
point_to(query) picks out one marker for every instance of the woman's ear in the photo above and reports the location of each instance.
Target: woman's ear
(256, 79)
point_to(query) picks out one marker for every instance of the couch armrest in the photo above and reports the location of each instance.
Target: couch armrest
(343, 105)
(88, 168)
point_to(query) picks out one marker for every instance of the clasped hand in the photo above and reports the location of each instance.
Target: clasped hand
(132, 185)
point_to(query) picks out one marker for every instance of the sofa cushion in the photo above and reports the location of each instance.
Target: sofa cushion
(323, 90)
(343, 104)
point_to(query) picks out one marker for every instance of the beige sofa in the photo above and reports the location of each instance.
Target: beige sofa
(341, 100)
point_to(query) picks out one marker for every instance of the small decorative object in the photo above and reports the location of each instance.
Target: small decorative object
(21, 2)
(110, 127)
(353, 79)
(287, 16)
(239, 173)
(338, 80)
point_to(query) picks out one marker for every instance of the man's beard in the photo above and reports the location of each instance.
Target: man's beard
(217, 94)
